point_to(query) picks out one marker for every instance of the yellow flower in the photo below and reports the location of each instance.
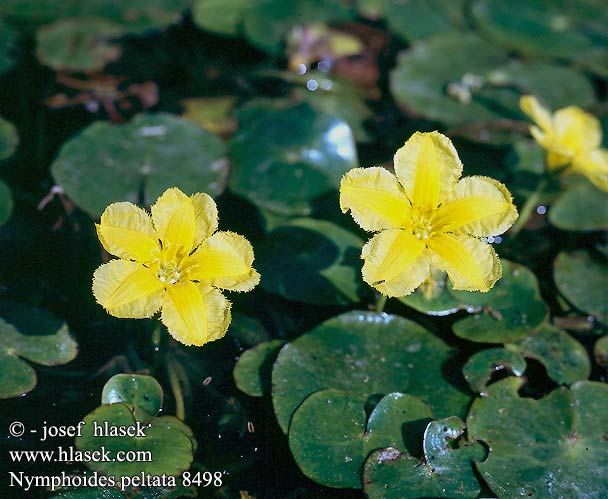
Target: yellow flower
(427, 218)
(572, 139)
(174, 261)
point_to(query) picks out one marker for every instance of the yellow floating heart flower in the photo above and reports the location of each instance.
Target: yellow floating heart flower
(173, 261)
(427, 218)
(572, 139)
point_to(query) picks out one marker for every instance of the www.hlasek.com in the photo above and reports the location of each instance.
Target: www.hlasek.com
(70, 455)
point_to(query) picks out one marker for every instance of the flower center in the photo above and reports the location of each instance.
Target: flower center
(421, 223)
(168, 272)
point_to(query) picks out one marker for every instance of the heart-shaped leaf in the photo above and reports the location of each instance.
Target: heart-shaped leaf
(134, 389)
(581, 207)
(17, 377)
(366, 354)
(480, 366)
(283, 159)
(330, 436)
(253, 370)
(311, 261)
(583, 281)
(511, 310)
(543, 448)
(165, 448)
(417, 19)
(445, 472)
(107, 163)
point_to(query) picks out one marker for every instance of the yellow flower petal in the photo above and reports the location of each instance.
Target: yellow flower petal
(538, 113)
(195, 314)
(576, 130)
(225, 261)
(374, 198)
(126, 231)
(173, 215)
(395, 262)
(594, 166)
(471, 264)
(205, 215)
(480, 206)
(428, 167)
(127, 289)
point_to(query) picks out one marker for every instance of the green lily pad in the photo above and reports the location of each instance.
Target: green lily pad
(417, 19)
(107, 163)
(268, 21)
(137, 15)
(8, 42)
(330, 439)
(339, 98)
(365, 354)
(565, 359)
(220, 16)
(311, 261)
(79, 44)
(581, 207)
(544, 28)
(445, 472)
(433, 298)
(17, 377)
(285, 158)
(6, 202)
(584, 282)
(511, 310)
(8, 139)
(253, 370)
(543, 448)
(135, 389)
(167, 449)
(600, 351)
(480, 366)
(460, 79)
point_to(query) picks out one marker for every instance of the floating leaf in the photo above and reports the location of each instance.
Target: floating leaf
(137, 15)
(445, 472)
(108, 163)
(312, 261)
(78, 44)
(267, 23)
(6, 202)
(134, 389)
(600, 351)
(479, 368)
(167, 442)
(417, 19)
(584, 282)
(543, 448)
(459, 78)
(544, 28)
(214, 114)
(511, 310)
(220, 16)
(253, 370)
(565, 359)
(330, 435)
(581, 207)
(365, 354)
(285, 158)
(8, 139)
(8, 42)
(17, 377)
(433, 298)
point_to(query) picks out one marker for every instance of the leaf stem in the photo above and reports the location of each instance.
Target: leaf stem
(528, 207)
(176, 388)
(381, 303)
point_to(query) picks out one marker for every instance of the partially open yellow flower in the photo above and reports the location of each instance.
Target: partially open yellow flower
(572, 139)
(174, 261)
(427, 218)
